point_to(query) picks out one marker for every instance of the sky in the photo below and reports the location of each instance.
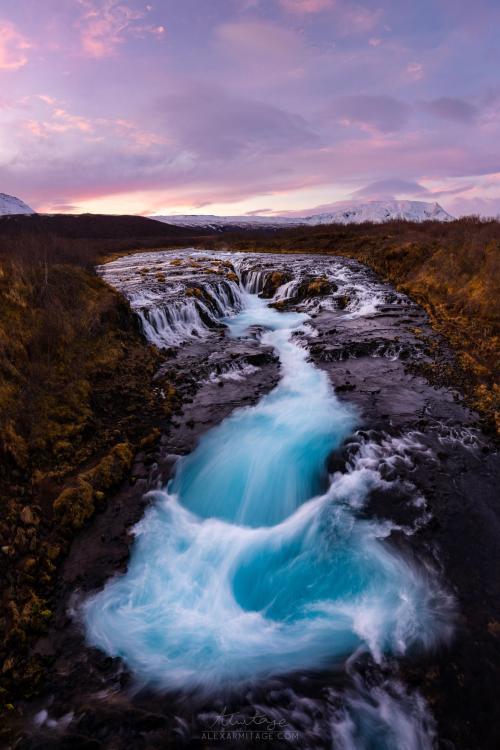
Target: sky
(249, 106)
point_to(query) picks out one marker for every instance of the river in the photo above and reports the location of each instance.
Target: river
(281, 577)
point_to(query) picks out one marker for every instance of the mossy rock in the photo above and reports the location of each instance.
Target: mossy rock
(74, 505)
(273, 283)
(318, 286)
(111, 470)
(28, 517)
(194, 291)
(150, 439)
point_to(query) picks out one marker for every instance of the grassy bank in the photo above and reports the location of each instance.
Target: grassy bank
(78, 396)
(453, 270)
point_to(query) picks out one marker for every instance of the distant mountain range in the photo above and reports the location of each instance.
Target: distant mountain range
(373, 211)
(10, 205)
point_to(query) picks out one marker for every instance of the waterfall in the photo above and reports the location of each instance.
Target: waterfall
(287, 291)
(173, 321)
(253, 281)
(255, 564)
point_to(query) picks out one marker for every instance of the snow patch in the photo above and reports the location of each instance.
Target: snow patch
(10, 205)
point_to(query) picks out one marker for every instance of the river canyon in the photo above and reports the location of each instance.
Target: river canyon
(287, 567)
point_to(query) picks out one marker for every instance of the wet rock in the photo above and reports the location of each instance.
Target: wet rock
(315, 287)
(338, 461)
(345, 387)
(342, 301)
(260, 358)
(273, 282)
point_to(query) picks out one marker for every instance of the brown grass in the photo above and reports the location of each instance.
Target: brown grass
(77, 395)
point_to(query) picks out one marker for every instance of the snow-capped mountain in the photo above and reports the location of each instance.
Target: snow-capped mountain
(380, 211)
(9, 204)
(373, 211)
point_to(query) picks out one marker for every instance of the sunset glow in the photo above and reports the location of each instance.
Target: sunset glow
(236, 106)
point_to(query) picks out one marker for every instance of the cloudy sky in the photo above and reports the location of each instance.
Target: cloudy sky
(240, 106)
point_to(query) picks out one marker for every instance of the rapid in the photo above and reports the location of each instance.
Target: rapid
(255, 562)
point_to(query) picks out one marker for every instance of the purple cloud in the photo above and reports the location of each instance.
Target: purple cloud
(477, 205)
(383, 113)
(450, 108)
(212, 124)
(390, 188)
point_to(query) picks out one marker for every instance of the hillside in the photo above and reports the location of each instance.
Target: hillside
(117, 231)
(78, 396)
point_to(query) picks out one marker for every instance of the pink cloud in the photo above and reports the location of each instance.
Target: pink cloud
(359, 19)
(226, 151)
(351, 18)
(415, 71)
(105, 25)
(13, 47)
(137, 137)
(306, 6)
(54, 120)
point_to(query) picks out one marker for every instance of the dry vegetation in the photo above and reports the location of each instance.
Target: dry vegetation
(78, 394)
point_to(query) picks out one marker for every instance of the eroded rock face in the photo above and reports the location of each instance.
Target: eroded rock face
(273, 282)
(318, 286)
(412, 435)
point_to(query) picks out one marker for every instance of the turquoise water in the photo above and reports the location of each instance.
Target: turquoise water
(252, 562)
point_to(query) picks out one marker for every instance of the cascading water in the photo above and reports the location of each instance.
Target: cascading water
(186, 312)
(194, 317)
(253, 563)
